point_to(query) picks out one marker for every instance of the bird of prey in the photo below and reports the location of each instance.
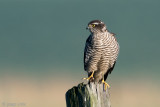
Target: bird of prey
(100, 53)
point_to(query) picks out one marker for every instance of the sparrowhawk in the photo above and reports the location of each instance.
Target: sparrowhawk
(100, 53)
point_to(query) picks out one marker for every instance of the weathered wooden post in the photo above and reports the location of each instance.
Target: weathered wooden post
(88, 95)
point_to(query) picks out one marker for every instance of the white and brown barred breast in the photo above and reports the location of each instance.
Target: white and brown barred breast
(100, 54)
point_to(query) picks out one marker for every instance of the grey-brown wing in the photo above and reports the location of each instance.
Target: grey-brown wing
(87, 53)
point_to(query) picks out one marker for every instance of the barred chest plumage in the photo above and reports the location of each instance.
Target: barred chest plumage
(103, 41)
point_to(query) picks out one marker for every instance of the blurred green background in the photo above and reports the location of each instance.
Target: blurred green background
(42, 43)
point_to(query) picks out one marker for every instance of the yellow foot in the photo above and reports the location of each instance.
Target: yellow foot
(90, 77)
(105, 84)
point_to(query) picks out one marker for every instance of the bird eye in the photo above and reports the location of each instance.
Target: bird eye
(93, 25)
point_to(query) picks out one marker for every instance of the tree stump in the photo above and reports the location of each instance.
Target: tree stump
(88, 95)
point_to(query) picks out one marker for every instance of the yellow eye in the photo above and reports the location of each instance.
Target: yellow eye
(93, 25)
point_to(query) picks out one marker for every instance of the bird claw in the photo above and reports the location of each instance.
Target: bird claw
(105, 85)
(90, 77)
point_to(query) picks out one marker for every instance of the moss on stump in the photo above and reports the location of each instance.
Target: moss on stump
(88, 95)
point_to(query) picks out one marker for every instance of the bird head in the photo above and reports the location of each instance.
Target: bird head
(96, 26)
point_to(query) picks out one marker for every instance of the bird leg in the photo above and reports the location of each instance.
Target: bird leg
(105, 84)
(91, 76)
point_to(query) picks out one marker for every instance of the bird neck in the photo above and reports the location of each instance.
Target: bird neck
(99, 33)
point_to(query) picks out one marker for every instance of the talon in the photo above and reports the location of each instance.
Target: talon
(105, 84)
(90, 77)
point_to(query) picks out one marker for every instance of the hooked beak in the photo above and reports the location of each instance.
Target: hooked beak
(87, 28)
